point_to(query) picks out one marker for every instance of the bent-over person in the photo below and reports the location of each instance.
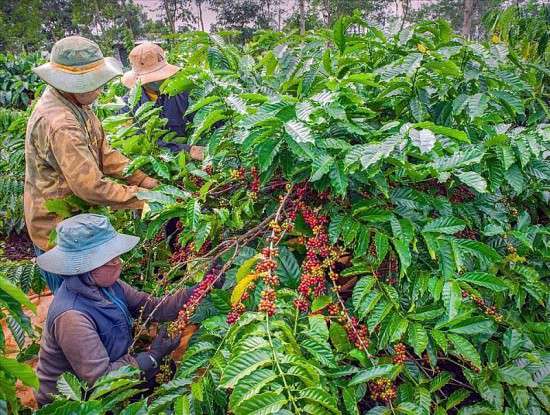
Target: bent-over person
(88, 330)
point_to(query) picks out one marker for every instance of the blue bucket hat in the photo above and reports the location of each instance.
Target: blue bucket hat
(85, 242)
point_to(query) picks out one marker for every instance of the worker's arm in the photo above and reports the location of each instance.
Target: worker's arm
(77, 337)
(80, 167)
(114, 164)
(166, 311)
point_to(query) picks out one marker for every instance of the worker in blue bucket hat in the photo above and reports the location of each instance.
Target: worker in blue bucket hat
(88, 329)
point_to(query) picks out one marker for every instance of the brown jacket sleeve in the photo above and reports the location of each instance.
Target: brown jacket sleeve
(80, 168)
(114, 164)
(77, 336)
(168, 309)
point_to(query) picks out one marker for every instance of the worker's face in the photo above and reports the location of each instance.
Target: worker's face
(87, 98)
(107, 274)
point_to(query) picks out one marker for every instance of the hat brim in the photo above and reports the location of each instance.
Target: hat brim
(62, 262)
(79, 83)
(130, 78)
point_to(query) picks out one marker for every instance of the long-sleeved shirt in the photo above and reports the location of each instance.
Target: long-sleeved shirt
(72, 342)
(66, 153)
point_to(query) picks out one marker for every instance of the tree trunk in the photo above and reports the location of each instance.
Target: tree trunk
(170, 15)
(328, 11)
(201, 20)
(302, 17)
(467, 20)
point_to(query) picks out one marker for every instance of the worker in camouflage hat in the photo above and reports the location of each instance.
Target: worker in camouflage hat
(66, 150)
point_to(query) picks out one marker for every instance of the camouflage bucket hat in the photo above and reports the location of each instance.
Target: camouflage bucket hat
(77, 66)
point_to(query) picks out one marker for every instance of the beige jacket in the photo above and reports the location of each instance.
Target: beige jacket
(66, 153)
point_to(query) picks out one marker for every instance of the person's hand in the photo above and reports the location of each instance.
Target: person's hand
(149, 183)
(164, 344)
(197, 153)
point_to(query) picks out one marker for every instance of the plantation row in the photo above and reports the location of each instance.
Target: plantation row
(378, 208)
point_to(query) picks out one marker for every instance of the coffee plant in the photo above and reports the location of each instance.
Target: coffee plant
(377, 210)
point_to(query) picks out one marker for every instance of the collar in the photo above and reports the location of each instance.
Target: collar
(85, 286)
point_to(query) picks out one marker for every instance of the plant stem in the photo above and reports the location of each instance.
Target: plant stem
(281, 373)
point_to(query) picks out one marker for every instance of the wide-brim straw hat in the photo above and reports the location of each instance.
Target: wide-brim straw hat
(77, 65)
(85, 242)
(148, 65)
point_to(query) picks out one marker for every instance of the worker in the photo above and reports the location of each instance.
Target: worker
(66, 152)
(88, 326)
(149, 70)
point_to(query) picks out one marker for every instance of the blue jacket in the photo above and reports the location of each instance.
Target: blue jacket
(173, 109)
(112, 320)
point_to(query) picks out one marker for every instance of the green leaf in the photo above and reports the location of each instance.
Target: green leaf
(212, 118)
(371, 153)
(452, 298)
(15, 293)
(242, 365)
(373, 373)
(477, 104)
(339, 337)
(484, 279)
(250, 386)
(262, 404)
(404, 253)
(60, 207)
(440, 339)
(381, 242)
(19, 371)
(320, 302)
(439, 381)
(515, 178)
(361, 290)
(320, 166)
(299, 132)
(288, 269)
(418, 338)
(446, 224)
(321, 397)
(474, 180)
(456, 398)
(338, 178)
(513, 375)
(339, 33)
(465, 349)
(160, 168)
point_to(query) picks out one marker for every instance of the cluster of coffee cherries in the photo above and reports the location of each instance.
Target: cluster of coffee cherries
(196, 180)
(461, 194)
(490, 311)
(188, 252)
(431, 186)
(264, 269)
(388, 269)
(320, 258)
(467, 234)
(238, 174)
(164, 374)
(400, 355)
(357, 333)
(255, 183)
(382, 389)
(201, 290)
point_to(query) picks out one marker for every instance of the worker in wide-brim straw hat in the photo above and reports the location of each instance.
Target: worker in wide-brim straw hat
(149, 70)
(88, 330)
(66, 152)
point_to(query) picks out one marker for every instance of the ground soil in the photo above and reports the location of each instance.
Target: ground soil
(18, 246)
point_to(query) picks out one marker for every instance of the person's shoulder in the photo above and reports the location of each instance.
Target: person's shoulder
(53, 114)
